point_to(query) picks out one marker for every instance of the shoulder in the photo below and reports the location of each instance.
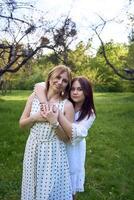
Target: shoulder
(93, 115)
(68, 105)
(69, 110)
(31, 97)
(91, 118)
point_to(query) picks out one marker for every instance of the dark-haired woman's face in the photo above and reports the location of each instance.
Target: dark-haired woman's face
(76, 92)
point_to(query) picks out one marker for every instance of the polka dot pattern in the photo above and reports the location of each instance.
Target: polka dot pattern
(45, 166)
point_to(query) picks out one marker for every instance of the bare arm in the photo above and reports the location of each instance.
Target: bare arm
(52, 117)
(65, 128)
(40, 91)
(67, 119)
(26, 120)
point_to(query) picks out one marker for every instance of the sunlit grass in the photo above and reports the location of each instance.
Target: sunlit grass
(110, 147)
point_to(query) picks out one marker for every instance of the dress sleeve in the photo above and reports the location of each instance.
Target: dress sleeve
(80, 130)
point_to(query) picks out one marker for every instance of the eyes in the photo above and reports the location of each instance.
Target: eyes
(77, 89)
(63, 80)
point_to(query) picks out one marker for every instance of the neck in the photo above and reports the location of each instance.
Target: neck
(78, 106)
(52, 96)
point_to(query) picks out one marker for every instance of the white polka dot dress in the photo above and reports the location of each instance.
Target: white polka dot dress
(45, 166)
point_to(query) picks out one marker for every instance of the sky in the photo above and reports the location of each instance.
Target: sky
(86, 13)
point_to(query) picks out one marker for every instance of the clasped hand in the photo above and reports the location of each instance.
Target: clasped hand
(49, 112)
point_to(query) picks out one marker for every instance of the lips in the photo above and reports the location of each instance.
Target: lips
(75, 97)
(58, 87)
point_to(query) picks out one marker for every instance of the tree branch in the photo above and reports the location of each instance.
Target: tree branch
(108, 63)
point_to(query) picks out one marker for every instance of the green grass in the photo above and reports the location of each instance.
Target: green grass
(110, 147)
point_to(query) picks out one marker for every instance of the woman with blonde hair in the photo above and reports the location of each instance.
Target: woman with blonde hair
(45, 167)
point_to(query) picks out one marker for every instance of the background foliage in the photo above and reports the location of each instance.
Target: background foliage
(82, 62)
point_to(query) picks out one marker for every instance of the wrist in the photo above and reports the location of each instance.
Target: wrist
(55, 124)
(32, 118)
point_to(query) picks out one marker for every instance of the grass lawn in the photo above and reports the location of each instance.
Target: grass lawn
(110, 147)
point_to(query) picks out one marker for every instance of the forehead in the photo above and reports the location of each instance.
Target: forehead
(76, 84)
(62, 74)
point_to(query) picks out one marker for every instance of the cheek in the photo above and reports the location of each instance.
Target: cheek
(71, 94)
(53, 80)
(82, 96)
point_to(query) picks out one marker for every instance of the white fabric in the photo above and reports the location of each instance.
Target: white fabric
(76, 152)
(45, 167)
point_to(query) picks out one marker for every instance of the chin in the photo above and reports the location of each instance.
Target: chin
(75, 100)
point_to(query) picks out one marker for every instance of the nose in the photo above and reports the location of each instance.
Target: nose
(74, 91)
(60, 81)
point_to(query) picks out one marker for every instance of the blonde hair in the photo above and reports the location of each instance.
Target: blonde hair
(57, 70)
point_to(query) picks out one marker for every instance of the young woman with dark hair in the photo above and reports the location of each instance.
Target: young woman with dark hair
(87, 106)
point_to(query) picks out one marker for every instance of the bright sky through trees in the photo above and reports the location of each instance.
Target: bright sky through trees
(85, 13)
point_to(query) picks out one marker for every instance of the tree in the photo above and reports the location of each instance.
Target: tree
(25, 36)
(119, 72)
(130, 58)
(127, 70)
(63, 37)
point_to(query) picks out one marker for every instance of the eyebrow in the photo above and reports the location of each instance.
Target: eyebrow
(65, 79)
(77, 87)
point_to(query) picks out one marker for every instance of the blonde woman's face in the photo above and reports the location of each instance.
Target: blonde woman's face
(59, 82)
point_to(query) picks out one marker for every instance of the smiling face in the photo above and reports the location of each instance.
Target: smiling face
(59, 81)
(81, 95)
(76, 93)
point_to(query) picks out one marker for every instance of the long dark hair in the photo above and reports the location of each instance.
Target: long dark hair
(88, 107)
